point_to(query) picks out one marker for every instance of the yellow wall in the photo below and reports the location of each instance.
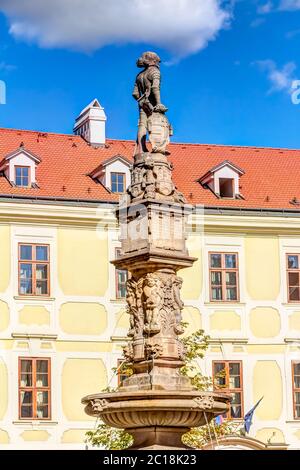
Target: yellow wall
(191, 290)
(3, 389)
(265, 322)
(32, 435)
(262, 267)
(192, 316)
(294, 321)
(34, 315)
(4, 316)
(267, 382)
(4, 437)
(74, 435)
(81, 377)
(82, 262)
(225, 320)
(83, 318)
(4, 257)
(275, 434)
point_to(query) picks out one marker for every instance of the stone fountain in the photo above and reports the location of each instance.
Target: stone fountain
(156, 404)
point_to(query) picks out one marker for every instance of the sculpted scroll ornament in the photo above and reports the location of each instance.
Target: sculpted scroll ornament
(99, 405)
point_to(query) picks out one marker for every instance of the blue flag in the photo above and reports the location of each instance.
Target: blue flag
(248, 417)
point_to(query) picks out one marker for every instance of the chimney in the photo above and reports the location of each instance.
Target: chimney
(90, 124)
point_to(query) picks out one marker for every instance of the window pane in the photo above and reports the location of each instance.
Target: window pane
(26, 365)
(216, 278)
(231, 278)
(294, 293)
(296, 367)
(216, 293)
(26, 411)
(26, 398)
(26, 380)
(294, 279)
(42, 366)
(42, 253)
(297, 381)
(297, 398)
(215, 260)
(297, 411)
(114, 178)
(42, 287)
(234, 368)
(219, 375)
(230, 261)
(26, 252)
(42, 398)
(25, 271)
(41, 271)
(25, 287)
(231, 293)
(18, 171)
(234, 382)
(42, 411)
(293, 262)
(236, 411)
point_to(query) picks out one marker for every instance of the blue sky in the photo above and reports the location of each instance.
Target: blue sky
(225, 81)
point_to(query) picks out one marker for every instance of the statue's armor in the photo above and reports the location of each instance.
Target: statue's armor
(145, 82)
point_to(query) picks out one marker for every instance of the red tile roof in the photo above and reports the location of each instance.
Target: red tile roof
(271, 179)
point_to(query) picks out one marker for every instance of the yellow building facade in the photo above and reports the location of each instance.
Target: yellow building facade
(81, 326)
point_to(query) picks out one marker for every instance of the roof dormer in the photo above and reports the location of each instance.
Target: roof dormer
(19, 167)
(223, 180)
(113, 173)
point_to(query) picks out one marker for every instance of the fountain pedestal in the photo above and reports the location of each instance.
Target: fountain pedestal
(156, 404)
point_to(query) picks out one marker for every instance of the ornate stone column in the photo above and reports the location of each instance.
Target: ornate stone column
(156, 404)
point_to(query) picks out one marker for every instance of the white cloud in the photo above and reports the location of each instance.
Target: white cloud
(289, 5)
(180, 26)
(265, 8)
(280, 79)
(6, 67)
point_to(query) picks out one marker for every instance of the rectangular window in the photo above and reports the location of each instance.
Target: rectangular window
(22, 176)
(118, 182)
(293, 278)
(296, 388)
(34, 388)
(34, 267)
(121, 279)
(224, 277)
(228, 377)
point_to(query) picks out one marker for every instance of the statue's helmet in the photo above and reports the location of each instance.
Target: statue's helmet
(148, 58)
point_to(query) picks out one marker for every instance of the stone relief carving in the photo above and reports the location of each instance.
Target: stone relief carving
(205, 402)
(153, 350)
(153, 302)
(154, 305)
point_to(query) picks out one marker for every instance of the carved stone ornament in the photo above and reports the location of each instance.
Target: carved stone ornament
(128, 352)
(205, 402)
(98, 405)
(153, 351)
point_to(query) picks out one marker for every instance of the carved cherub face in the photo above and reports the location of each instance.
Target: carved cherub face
(148, 58)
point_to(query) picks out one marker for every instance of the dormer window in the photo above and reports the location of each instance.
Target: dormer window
(22, 176)
(114, 174)
(118, 182)
(19, 167)
(223, 180)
